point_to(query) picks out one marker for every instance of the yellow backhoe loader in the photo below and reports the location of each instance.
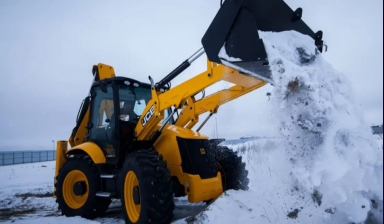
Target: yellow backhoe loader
(134, 141)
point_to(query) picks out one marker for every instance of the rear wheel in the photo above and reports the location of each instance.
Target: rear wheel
(233, 172)
(146, 189)
(76, 187)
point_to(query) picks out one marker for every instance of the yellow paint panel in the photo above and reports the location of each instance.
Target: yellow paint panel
(199, 189)
(188, 115)
(93, 150)
(81, 132)
(242, 80)
(167, 146)
(61, 150)
(105, 71)
(151, 118)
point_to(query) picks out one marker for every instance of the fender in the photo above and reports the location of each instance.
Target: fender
(91, 149)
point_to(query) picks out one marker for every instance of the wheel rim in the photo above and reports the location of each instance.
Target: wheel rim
(223, 176)
(70, 198)
(133, 210)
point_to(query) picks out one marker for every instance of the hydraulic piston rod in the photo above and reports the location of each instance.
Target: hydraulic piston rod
(180, 69)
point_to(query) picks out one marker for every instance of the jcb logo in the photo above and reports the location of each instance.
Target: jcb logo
(148, 116)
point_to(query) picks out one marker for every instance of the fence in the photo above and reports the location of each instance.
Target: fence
(21, 157)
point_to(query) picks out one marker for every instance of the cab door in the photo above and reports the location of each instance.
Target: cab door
(102, 130)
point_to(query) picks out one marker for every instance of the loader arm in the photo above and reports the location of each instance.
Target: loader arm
(222, 97)
(182, 98)
(189, 118)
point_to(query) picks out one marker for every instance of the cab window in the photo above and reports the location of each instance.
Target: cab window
(133, 101)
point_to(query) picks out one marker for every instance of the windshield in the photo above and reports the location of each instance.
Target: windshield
(136, 97)
(133, 101)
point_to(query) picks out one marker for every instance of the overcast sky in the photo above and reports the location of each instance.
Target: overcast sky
(47, 49)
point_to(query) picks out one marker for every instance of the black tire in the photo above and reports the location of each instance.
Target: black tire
(93, 205)
(233, 171)
(155, 187)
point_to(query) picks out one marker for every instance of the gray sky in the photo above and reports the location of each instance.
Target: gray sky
(47, 49)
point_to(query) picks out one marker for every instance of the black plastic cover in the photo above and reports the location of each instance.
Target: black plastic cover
(196, 159)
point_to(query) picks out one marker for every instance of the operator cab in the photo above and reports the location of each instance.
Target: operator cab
(116, 107)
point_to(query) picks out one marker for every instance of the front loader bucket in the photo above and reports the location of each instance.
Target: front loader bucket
(233, 39)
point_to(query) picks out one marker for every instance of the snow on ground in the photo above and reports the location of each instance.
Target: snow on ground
(56, 220)
(26, 190)
(26, 194)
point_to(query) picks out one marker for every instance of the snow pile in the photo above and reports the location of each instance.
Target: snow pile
(331, 150)
(326, 167)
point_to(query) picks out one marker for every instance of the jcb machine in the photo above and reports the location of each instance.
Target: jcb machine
(134, 141)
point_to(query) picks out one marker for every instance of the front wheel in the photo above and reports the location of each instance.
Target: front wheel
(76, 187)
(233, 172)
(146, 189)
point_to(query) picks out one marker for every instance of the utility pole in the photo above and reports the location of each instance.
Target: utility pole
(53, 141)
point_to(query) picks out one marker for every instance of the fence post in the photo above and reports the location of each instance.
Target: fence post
(23, 157)
(3, 159)
(39, 156)
(32, 157)
(13, 158)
